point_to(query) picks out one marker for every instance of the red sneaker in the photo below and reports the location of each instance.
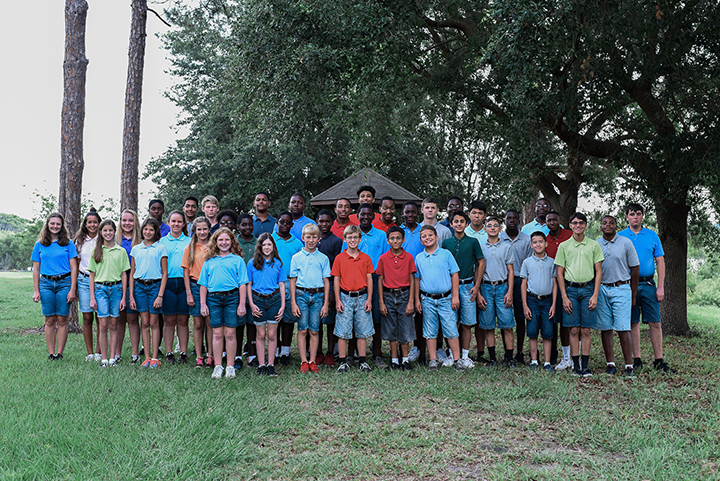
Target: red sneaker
(329, 360)
(319, 359)
(314, 368)
(305, 367)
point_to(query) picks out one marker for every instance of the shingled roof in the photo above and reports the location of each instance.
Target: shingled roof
(348, 188)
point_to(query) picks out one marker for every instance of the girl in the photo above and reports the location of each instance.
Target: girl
(156, 209)
(128, 236)
(192, 262)
(85, 240)
(175, 307)
(54, 278)
(222, 294)
(107, 287)
(148, 276)
(266, 286)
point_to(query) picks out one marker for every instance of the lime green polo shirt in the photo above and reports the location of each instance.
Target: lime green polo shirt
(114, 263)
(579, 258)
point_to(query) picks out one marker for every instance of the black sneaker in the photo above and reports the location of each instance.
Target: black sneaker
(392, 367)
(481, 360)
(254, 363)
(637, 364)
(611, 370)
(262, 370)
(519, 358)
(284, 359)
(629, 372)
(491, 363)
(183, 358)
(662, 366)
(510, 363)
(586, 372)
(406, 366)
(170, 358)
(51, 357)
(271, 371)
(59, 356)
(142, 351)
(238, 363)
(577, 372)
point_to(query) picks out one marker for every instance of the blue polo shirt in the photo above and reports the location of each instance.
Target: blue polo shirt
(521, 248)
(287, 249)
(412, 244)
(127, 245)
(620, 256)
(148, 260)
(535, 226)
(374, 244)
(54, 259)
(223, 273)
(263, 226)
(434, 270)
(648, 247)
(164, 229)
(497, 258)
(480, 235)
(298, 225)
(175, 248)
(267, 279)
(539, 272)
(310, 268)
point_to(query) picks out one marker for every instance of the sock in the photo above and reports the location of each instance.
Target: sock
(546, 364)
(362, 359)
(481, 354)
(508, 354)
(566, 352)
(491, 351)
(394, 360)
(576, 362)
(405, 359)
(585, 361)
(637, 359)
(534, 363)
(610, 363)
(628, 366)
(285, 351)
(250, 358)
(342, 360)
(465, 353)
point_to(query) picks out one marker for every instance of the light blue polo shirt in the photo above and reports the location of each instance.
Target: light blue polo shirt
(220, 274)
(310, 268)
(647, 246)
(442, 232)
(148, 260)
(539, 272)
(266, 280)
(434, 270)
(480, 235)
(297, 227)
(535, 226)
(497, 258)
(374, 244)
(620, 256)
(412, 244)
(54, 259)
(175, 248)
(521, 248)
(287, 249)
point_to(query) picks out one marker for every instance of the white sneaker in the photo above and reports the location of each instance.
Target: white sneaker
(118, 358)
(104, 364)
(217, 372)
(414, 354)
(468, 363)
(90, 357)
(98, 357)
(442, 355)
(112, 363)
(229, 372)
(564, 364)
(448, 362)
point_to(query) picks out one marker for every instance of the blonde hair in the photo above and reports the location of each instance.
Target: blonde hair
(194, 238)
(311, 229)
(351, 229)
(209, 198)
(136, 232)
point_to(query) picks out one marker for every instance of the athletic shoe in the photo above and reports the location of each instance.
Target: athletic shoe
(662, 366)
(134, 359)
(448, 362)
(118, 358)
(469, 363)
(284, 359)
(170, 358)
(637, 364)
(238, 364)
(611, 370)
(183, 358)
(406, 366)
(154, 363)
(520, 358)
(230, 372)
(343, 368)
(433, 365)
(364, 367)
(271, 371)
(549, 368)
(254, 362)
(98, 357)
(379, 362)
(460, 366)
(103, 363)
(393, 366)
(586, 372)
(349, 360)
(629, 372)
(90, 357)
(329, 360)
(314, 368)
(209, 361)
(305, 367)
(199, 363)
(414, 354)
(577, 372)
(58, 356)
(146, 363)
(217, 372)
(491, 363)
(319, 359)
(510, 363)
(262, 370)
(441, 355)
(564, 364)
(112, 363)
(482, 360)
(534, 366)
(51, 357)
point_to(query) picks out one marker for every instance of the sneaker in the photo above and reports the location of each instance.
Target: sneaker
(238, 364)
(414, 354)
(586, 372)
(441, 355)
(393, 366)
(118, 358)
(230, 372)
(433, 365)
(146, 363)
(90, 357)
(209, 362)
(319, 359)
(199, 363)
(406, 366)
(98, 357)
(520, 358)
(460, 366)
(58, 356)
(534, 366)
(611, 370)
(134, 359)
(271, 371)
(564, 364)
(577, 372)
(262, 370)
(343, 368)
(349, 360)
(662, 366)
(183, 358)
(112, 363)
(284, 359)
(104, 363)
(305, 367)
(637, 364)
(154, 363)
(314, 368)
(510, 363)
(364, 367)
(482, 360)
(469, 363)
(379, 362)
(170, 358)
(142, 351)
(254, 362)
(491, 363)
(549, 368)
(329, 360)
(629, 372)
(448, 362)
(51, 357)
(217, 372)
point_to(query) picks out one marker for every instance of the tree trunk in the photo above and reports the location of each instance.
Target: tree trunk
(133, 101)
(672, 221)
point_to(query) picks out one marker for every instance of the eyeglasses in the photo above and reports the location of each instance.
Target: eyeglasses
(284, 222)
(578, 222)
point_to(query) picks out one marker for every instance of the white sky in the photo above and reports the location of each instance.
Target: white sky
(32, 82)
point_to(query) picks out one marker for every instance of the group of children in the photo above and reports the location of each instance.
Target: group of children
(361, 276)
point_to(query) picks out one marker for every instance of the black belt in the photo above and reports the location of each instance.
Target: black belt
(223, 293)
(615, 284)
(83, 273)
(56, 278)
(647, 279)
(354, 293)
(539, 298)
(314, 290)
(495, 283)
(193, 281)
(266, 296)
(436, 296)
(579, 284)
(113, 283)
(147, 282)
(399, 290)
(467, 281)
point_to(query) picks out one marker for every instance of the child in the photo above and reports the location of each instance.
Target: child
(539, 293)
(210, 207)
(342, 212)
(128, 235)
(437, 297)
(84, 240)
(228, 219)
(54, 279)
(287, 245)
(156, 209)
(190, 208)
(496, 293)
(192, 262)
(396, 281)
(387, 214)
(366, 195)
(413, 246)
(107, 287)
(247, 241)
(476, 229)
(297, 209)
(262, 220)
(330, 245)
(309, 294)
(352, 274)
(222, 295)
(430, 211)
(148, 278)
(266, 288)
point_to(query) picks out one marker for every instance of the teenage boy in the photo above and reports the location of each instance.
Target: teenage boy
(342, 213)
(469, 257)
(542, 207)
(650, 253)
(352, 278)
(297, 209)
(539, 292)
(437, 297)
(556, 236)
(366, 195)
(396, 281)
(520, 243)
(496, 293)
(156, 209)
(190, 208)
(210, 207)
(413, 246)
(331, 246)
(287, 245)
(579, 273)
(246, 238)
(430, 212)
(476, 230)
(454, 204)
(262, 220)
(620, 273)
(387, 214)
(309, 294)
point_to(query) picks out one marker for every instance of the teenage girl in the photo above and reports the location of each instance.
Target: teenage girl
(222, 294)
(148, 276)
(266, 284)
(175, 307)
(156, 209)
(54, 279)
(128, 236)
(108, 284)
(192, 262)
(85, 239)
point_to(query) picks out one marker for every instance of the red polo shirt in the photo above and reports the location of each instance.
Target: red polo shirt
(339, 230)
(352, 271)
(379, 224)
(554, 242)
(396, 270)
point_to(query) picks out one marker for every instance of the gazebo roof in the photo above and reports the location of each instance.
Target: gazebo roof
(348, 188)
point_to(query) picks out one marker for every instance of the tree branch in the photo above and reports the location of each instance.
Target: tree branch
(158, 16)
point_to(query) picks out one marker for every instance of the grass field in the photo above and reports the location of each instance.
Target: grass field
(71, 420)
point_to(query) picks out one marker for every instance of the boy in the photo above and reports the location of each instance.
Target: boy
(430, 212)
(297, 209)
(437, 296)
(190, 208)
(496, 292)
(556, 236)
(331, 246)
(262, 220)
(579, 274)
(396, 281)
(542, 207)
(247, 242)
(352, 278)
(342, 211)
(539, 292)
(387, 214)
(469, 256)
(413, 246)
(454, 204)
(476, 229)
(156, 209)
(211, 207)
(366, 195)
(309, 294)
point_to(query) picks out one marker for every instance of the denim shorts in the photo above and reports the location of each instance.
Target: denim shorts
(468, 308)
(108, 300)
(310, 306)
(83, 290)
(330, 319)
(195, 291)
(175, 298)
(128, 309)
(646, 304)
(540, 320)
(145, 296)
(223, 309)
(53, 296)
(495, 307)
(269, 307)
(581, 316)
(436, 312)
(397, 326)
(613, 308)
(353, 315)
(518, 310)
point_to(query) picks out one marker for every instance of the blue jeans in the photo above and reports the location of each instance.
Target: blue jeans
(494, 296)
(108, 300)
(223, 309)
(436, 312)
(468, 308)
(646, 304)
(581, 316)
(353, 316)
(614, 308)
(53, 296)
(310, 306)
(195, 291)
(146, 295)
(397, 326)
(269, 307)
(540, 310)
(83, 293)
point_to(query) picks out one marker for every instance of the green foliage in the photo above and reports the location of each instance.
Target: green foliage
(12, 223)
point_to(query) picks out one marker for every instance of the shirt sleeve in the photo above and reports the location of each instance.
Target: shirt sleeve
(163, 252)
(632, 257)
(205, 274)
(294, 268)
(510, 256)
(452, 263)
(369, 269)
(413, 269)
(658, 249)
(325, 266)
(598, 255)
(242, 272)
(185, 262)
(92, 265)
(72, 250)
(125, 262)
(524, 270)
(35, 257)
(560, 256)
(282, 277)
(381, 266)
(477, 251)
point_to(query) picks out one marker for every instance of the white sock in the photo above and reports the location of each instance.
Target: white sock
(465, 353)
(628, 366)
(547, 364)
(566, 352)
(395, 360)
(406, 359)
(533, 363)
(285, 351)
(610, 363)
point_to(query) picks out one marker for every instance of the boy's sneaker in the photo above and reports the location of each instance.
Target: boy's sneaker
(414, 354)
(406, 366)
(104, 364)
(134, 359)
(305, 367)
(319, 359)
(118, 358)
(482, 360)
(577, 372)
(154, 364)
(448, 362)
(217, 372)
(284, 359)
(564, 364)
(343, 368)
(433, 365)
(629, 372)
(379, 362)
(469, 363)
(510, 363)
(329, 360)
(393, 366)
(51, 357)
(98, 357)
(611, 370)
(238, 364)
(254, 362)
(58, 356)
(520, 358)
(146, 363)
(586, 372)
(183, 358)
(364, 367)
(230, 372)
(112, 363)
(349, 360)
(460, 366)
(314, 368)
(271, 371)
(549, 368)
(170, 358)
(199, 363)
(90, 357)
(262, 370)
(491, 363)
(441, 355)
(637, 364)
(662, 366)
(533, 366)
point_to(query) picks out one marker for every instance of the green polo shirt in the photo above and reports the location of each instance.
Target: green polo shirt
(466, 251)
(248, 248)
(579, 258)
(114, 263)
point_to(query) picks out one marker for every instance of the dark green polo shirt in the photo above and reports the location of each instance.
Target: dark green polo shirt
(466, 251)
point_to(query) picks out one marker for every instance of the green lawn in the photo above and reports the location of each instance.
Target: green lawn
(70, 420)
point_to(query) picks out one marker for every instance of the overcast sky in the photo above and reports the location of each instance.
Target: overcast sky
(33, 36)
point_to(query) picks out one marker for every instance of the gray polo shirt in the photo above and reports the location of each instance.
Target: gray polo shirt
(620, 256)
(539, 272)
(497, 257)
(521, 248)
(442, 232)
